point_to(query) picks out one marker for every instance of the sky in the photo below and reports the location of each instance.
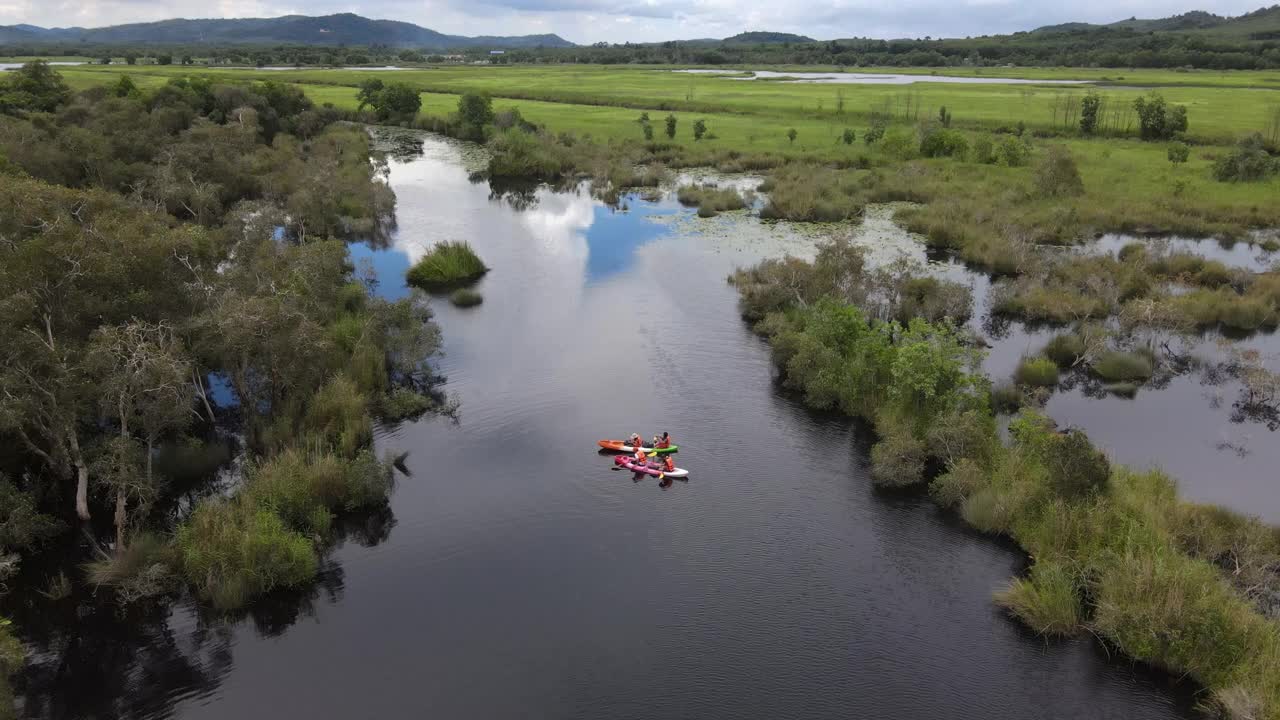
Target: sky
(616, 21)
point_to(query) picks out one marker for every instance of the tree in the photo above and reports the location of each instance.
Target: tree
(164, 59)
(187, 60)
(1089, 108)
(104, 60)
(1178, 153)
(699, 129)
(400, 100)
(143, 376)
(1158, 121)
(475, 109)
(944, 116)
(125, 87)
(34, 87)
(647, 128)
(848, 136)
(791, 135)
(130, 58)
(370, 93)
(671, 126)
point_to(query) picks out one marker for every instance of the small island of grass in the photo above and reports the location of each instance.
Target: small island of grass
(465, 298)
(447, 265)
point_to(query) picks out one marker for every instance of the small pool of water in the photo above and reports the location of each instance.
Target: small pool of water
(857, 78)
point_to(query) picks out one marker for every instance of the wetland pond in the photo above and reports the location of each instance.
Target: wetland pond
(514, 575)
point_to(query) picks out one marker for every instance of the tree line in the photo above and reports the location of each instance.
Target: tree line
(174, 273)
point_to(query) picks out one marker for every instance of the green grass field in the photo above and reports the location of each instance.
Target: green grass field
(1220, 105)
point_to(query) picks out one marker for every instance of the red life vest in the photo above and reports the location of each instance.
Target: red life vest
(669, 464)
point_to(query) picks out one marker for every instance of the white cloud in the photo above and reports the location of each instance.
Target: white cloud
(586, 21)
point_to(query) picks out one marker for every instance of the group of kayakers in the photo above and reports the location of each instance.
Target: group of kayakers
(660, 442)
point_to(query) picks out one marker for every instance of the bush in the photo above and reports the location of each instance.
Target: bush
(1007, 399)
(961, 480)
(933, 300)
(306, 489)
(465, 298)
(812, 194)
(1013, 152)
(143, 569)
(1248, 162)
(848, 136)
(1065, 349)
(944, 143)
(448, 263)
(898, 459)
(1048, 600)
(1036, 371)
(984, 151)
(11, 659)
(233, 551)
(899, 143)
(515, 154)
(1075, 466)
(1115, 365)
(714, 200)
(1056, 175)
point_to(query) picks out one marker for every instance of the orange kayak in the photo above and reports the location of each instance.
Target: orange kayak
(622, 446)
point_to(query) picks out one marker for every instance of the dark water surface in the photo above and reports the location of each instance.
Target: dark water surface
(522, 578)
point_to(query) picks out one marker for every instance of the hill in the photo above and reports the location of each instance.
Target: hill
(340, 29)
(1261, 24)
(766, 37)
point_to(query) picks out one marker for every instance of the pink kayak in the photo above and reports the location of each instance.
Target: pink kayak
(654, 469)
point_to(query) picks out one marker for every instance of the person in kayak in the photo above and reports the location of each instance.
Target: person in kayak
(668, 465)
(635, 440)
(641, 456)
(662, 442)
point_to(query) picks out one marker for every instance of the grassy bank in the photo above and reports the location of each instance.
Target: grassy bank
(11, 656)
(1115, 552)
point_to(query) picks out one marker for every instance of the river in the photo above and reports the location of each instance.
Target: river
(520, 577)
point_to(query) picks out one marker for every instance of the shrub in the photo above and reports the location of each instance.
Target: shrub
(1248, 162)
(848, 136)
(933, 300)
(791, 135)
(699, 129)
(1065, 349)
(1056, 175)
(944, 143)
(812, 194)
(984, 151)
(1013, 152)
(1048, 600)
(233, 551)
(448, 263)
(899, 143)
(710, 200)
(11, 659)
(1036, 371)
(1074, 465)
(465, 298)
(1115, 365)
(961, 480)
(1178, 153)
(898, 459)
(874, 133)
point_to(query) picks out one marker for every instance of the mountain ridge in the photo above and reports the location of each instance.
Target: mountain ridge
(336, 29)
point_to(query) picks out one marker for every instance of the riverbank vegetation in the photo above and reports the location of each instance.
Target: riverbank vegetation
(1114, 551)
(167, 254)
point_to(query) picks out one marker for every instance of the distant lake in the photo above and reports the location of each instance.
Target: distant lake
(15, 66)
(878, 78)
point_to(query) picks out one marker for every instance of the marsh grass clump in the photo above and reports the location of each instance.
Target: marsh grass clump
(306, 489)
(1047, 600)
(1065, 349)
(465, 298)
(448, 263)
(710, 200)
(1007, 399)
(1036, 371)
(809, 193)
(144, 568)
(233, 550)
(1119, 366)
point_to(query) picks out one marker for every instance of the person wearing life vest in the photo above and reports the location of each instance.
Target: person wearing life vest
(635, 441)
(641, 457)
(662, 442)
(668, 465)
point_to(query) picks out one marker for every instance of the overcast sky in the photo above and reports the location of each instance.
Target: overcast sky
(587, 21)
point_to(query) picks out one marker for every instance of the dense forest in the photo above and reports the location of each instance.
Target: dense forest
(175, 289)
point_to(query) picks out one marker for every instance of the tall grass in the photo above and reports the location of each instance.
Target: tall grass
(1048, 600)
(1118, 366)
(1036, 371)
(233, 550)
(448, 263)
(465, 298)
